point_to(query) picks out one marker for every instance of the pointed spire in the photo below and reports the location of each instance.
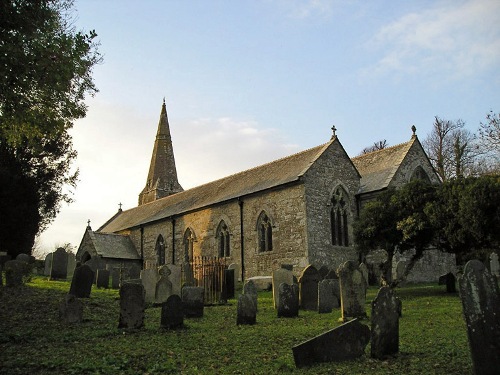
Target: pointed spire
(162, 177)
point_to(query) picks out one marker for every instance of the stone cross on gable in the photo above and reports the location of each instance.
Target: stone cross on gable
(120, 206)
(334, 129)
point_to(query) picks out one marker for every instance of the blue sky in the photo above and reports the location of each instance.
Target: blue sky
(247, 82)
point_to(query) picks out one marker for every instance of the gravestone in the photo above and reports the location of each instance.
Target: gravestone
(281, 275)
(345, 342)
(323, 271)
(352, 291)
(448, 280)
(81, 284)
(229, 281)
(71, 265)
(163, 289)
(71, 310)
(59, 269)
(251, 290)
(102, 280)
(149, 279)
(385, 324)
(134, 272)
(193, 299)
(131, 306)
(480, 297)
(288, 300)
(247, 310)
(308, 288)
(262, 283)
(15, 270)
(172, 313)
(364, 271)
(115, 278)
(237, 272)
(327, 300)
(47, 264)
(23, 258)
(494, 265)
(175, 278)
(400, 270)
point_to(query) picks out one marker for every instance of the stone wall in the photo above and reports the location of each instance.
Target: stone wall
(433, 264)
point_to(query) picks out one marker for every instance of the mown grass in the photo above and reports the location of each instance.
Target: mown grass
(33, 341)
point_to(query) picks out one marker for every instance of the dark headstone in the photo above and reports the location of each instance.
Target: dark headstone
(229, 283)
(345, 342)
(15, 270)
(71, 310)
(450, 282)
(81, 284)
(172, 313)
(288, 300)
(193, 298)
(24, 258)
(247, 309)
(308, 288)
(131, 306)
(385, 324)
(327, 300)
(352, 291)
(115, 278)
(323, 271)
(59, 270)
(102, 280)
(480, 297)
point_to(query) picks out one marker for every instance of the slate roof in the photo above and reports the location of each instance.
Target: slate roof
(267, 176)
(378, 168)
(110, 245)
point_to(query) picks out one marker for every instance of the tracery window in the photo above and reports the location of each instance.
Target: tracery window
(420, 174)
(222, 236)
(160, 250)
(188, 244)
(339, 217)
(265, 229)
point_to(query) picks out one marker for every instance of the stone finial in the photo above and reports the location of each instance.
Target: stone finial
(88, 224)
(414, 130)
(334, 129)
(120, 206)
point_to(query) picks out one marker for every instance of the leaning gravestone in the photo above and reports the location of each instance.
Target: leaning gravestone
(149, 279)
(385, 324)
(71, 310)
(327, 300)
(247, 310)
(81, 284)
(47, 264)
(494, 265)
(480, 297)
(288, 300)
(281, 275)
(172, 313)
(308, 288)
(15, 270)
(193, 300)
(59, 269)
(352, 291)
(345, 342)
(131, 306)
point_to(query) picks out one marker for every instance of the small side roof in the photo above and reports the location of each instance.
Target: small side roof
(110, 245)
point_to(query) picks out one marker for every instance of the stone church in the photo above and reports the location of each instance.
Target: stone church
(297, 210)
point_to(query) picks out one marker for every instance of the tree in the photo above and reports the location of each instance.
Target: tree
(489, 138)
(45, 74)
(379, 145)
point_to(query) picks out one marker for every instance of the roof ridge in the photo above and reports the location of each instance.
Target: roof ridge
(383, 149)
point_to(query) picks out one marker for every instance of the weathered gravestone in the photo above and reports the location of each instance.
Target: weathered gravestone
(59, 269)
(385, 324)
(71, 310)
(480, 297)
(281, 275)
(149, 279)
(102, 280)
(131, 306)
(193, 301)
(15, 270)
(345, 342)
(71, 265)
(494, 265)
(364, 271)
(172, 313)
(47, 264)
(288, 300)
(327, 300)
(175, 278)
(81, 284)
(308, 288)
(247, 310)
(352, 291)
(448, 280)
(24, 258)
(163, 289)
(251, 290)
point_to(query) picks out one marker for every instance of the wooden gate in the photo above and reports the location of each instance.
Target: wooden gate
(209, 273)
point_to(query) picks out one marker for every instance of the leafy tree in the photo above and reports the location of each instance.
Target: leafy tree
(45, 74)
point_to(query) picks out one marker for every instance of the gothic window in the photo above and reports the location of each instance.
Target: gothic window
(419, 174)
(160, 250)
(265, 229)
(222, 236)
(339, 217)
(188, 244)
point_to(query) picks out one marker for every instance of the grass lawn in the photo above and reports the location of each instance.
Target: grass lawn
(433, 337)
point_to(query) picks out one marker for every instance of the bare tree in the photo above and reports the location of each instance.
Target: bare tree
(379, 145)
(489, 139)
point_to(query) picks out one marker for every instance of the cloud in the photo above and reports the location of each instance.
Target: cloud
(302, 9)
(454, 39)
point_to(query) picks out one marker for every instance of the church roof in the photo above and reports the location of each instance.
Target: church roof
(378, 168)
(271, 175)
(110, 245)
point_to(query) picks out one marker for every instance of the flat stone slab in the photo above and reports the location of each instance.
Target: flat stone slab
(345, 342)
(262, 282)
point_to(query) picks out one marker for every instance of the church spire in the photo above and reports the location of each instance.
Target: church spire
(162, 176)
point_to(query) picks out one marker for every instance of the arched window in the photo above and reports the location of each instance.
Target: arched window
(222, 236)
(188, 244)
(339, 217)
(265, 229)
(420, 174)
(160, 250)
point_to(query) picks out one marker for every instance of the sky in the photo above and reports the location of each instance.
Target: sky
(250, 81)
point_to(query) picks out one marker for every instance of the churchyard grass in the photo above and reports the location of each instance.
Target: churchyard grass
(33, 341)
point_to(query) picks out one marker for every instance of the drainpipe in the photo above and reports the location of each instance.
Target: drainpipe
(242, 241)
(142, 245)
(173, 240)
